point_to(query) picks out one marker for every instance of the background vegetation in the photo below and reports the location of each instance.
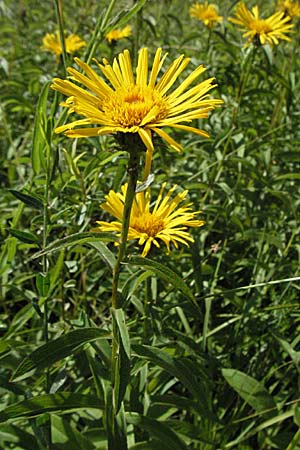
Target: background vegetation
(215, 353)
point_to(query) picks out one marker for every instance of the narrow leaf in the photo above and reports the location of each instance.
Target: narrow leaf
(186, 370)
(120, 320)
(61, 402)
(166, 274)
(29, 200)
(24, 236)
(38, 140)
(251, 390)
(126, 14)
(107, 256)
(157, 430)
(56, 350)
(75, 239)
(43, 284)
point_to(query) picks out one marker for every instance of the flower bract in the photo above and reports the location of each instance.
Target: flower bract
(52, 43)
(206, 13)
(117, 34)
(289, 8)
(167, 221)
(262, 31)
(142, 104)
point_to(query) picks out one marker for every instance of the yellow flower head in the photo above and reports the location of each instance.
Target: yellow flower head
(166, 221)
(52, 43)
(289, 8)
(129, 104)
(206, 13)
(262, 31)
(116, 35)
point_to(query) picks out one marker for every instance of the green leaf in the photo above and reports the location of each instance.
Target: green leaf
(107, 256)
(29, 200)
(166, 274)
(12, 434)
(62, 402)
(186, 370)
(157, 430)
(122, 369)
(120, 320)
(295, 356)
(65, 434)
(251, 390)
(56, 350)
(39, 131)
(126, 14)
(43, 284)
(115, 425)
(24, 236)
(75, 239)
(288, 176)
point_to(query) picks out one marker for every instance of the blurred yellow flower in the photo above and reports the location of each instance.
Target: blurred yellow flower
(137, 105)
(52, 43)
(116, 35)
(166, 221)
(289, 8)
(261, 31)
(206, 13)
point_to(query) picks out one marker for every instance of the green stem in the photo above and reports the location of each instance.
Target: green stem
(116, 357)
(294, 442)
(208, 301)
(99, 32)
(240, 92)
(147, 306)
(47, 425)
(243, 83)
(130, 193)
(59, 18)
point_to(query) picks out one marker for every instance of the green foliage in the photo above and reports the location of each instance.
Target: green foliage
(208, 337)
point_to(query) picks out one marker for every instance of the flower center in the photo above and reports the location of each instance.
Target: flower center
(148, 223)
(130, 105)
(261, 26)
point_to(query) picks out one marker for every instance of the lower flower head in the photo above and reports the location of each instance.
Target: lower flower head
(261, 31)
(117, 34)
(206, 13)
(135, 104)
(289, 8)
(167, 221)
(52, 43)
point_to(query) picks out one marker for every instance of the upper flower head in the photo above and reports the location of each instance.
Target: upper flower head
(165, 221)
(208, 14)
(262, 31)
(115, 35)
(52, 43)
(289, 8)
(128, 104)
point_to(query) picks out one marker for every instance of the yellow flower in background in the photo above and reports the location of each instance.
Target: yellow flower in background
(116, 35)
(262, 31)
(52, 43)
(289, 8)
(138, 104)
(206, 13)
(166, 221)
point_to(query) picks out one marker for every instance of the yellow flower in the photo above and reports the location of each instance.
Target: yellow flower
(289, 8)
(52, 43)
(116, 35)
(135, 105)
(165, 221)
(206, 13)
(262, 31)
